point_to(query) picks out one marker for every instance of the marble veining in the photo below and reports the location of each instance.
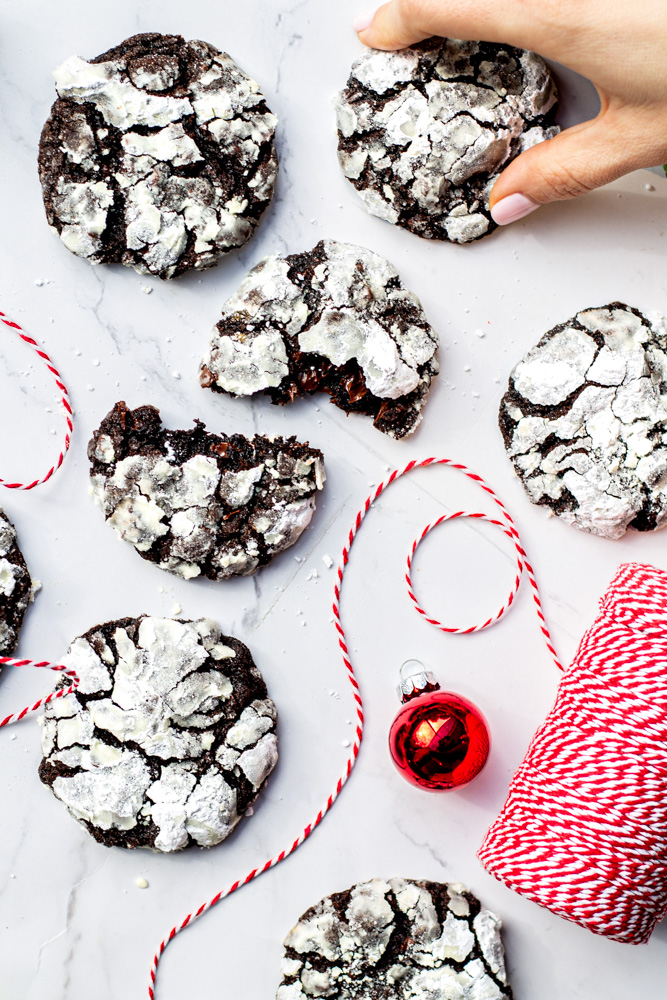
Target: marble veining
(73, 922)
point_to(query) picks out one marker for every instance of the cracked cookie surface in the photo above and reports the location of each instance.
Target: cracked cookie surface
(168, 739)
(16, 587)
(196, 503)
(584, 420)
(158, 154)
(397, 939)
(423, 133)
(336, 319)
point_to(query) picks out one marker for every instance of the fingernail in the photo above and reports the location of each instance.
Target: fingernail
(363, 20)
(514, 207)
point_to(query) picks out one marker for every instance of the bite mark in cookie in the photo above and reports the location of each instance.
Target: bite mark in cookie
(336, 319)
(196, 503)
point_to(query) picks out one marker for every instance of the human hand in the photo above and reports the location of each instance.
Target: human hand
(621, 49)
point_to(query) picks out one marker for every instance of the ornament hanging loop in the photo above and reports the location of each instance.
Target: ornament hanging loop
(419, 682)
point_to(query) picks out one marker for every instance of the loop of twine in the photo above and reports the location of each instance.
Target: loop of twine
(508, 530)
(511, 531)
(64, 400)
(508, 527)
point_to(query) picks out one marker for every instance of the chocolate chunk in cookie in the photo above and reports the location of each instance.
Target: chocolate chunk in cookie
(401, 939)
(336, 319)
(584, 420)
(196, 503)
(423, 133)
(158, 154)
(16, 587)
(168, 739)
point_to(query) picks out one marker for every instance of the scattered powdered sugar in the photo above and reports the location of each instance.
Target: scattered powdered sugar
(387, 939)
(423, 133)
(585, 420)
(168, 739)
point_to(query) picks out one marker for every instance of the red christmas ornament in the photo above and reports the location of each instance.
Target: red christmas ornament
(438, 740)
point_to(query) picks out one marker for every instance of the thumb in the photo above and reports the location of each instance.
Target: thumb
(577, 160)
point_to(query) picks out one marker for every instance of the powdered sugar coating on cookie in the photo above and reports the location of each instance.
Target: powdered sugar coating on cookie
(401, 938)
(201, 504)
(168, 739)
(424, 132)
(335, 319)
(16, 587)
(585, 420)
(158, 154)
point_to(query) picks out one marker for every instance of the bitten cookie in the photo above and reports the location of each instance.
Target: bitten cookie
(196, 503)
(16, 587)
(424, 132)
(584, 420)
(158, 154)
(336, 319)
(402, 939)
(169, 738)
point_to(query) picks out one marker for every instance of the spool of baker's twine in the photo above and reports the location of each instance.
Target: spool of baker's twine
(584, 828)
(606, 890)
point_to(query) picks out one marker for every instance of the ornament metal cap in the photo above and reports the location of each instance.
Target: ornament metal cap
(417, 683)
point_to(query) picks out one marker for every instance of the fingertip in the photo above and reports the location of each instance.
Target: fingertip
(363, 20)
(512, 208)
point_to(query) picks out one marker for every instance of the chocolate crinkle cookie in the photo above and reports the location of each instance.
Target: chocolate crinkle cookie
(16, 588)
(401, 939)
(584, 420)
(424, 132)
(196, 503)
(158, 154)
(168, 739)
(336, 319)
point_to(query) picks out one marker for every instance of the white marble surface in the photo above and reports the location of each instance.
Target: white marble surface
(73, 924)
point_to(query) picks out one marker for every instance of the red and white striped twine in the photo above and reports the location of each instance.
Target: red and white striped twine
(59, 693)
(584, 828)
(64, 399)
(510, 530)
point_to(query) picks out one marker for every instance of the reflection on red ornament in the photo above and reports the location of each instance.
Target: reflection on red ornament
(438, 740)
